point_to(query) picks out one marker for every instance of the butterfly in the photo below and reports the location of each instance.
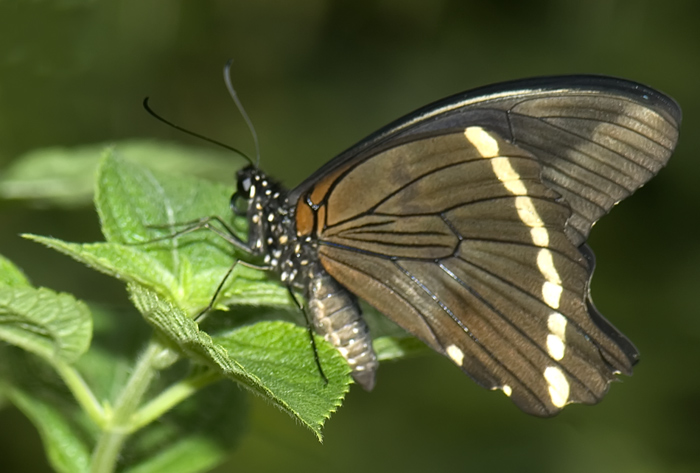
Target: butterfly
(465, 223)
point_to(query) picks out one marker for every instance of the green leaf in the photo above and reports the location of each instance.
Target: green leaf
(65, 451)
(54, 326)
(10, 274)
(273, 359)
(191, 290)
(280, 355)
(66, 176)
(131, 200)
(393, 348)
(196, 436)
(36, 391)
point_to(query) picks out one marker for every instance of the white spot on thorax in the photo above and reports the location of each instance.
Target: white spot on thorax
(455, 354)
(558, 386)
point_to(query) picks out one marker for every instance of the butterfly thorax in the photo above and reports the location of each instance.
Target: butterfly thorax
(271, 231)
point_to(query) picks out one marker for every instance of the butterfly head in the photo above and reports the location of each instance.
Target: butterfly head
(262, 201)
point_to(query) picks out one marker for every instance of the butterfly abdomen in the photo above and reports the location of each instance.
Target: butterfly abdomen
(336, 315)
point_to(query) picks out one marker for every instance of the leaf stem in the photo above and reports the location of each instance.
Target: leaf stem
(171, 397)
(81, 391)
(117, 427)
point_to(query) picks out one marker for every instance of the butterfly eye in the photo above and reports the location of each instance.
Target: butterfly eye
(239, 204)
(245, 188)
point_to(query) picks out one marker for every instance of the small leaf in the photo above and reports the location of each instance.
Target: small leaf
(65, 451)
(10, 274)
(36, 391)
(65, 176)
(192, 291)
(273, 359)
(392, 348)
(131, 200)
(280, 355)
(53, 326)
(194, 437)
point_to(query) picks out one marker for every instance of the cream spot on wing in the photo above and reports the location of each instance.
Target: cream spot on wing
(551, 289)
(529, 216)
(455, 354)
(485, 144)
(545, 262)
(556, 340)
(558, 386)
(555, 347)
(551, 293)
(527, 212)
(508, 176)
(540, 236)
(507, 390)
(556, 323)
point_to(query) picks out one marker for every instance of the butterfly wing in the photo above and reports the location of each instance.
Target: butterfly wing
(598, 138)
(465, 223)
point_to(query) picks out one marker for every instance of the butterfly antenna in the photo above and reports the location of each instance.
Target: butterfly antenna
(239, 105)
(192, 133)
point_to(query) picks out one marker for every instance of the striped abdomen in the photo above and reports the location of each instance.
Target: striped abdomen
(337, 316)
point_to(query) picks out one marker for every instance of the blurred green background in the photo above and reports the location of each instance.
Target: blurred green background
(317, 76)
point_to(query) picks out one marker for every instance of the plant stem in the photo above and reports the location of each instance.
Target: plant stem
(81, 392)
(171, 397)
(118, 426)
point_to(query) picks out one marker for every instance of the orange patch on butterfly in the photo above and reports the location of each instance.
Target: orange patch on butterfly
(304, 218)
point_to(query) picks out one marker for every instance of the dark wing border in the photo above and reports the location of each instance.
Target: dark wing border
(533, 87)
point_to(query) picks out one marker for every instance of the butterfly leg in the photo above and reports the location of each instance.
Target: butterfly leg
(200, 224)
(310, 331)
